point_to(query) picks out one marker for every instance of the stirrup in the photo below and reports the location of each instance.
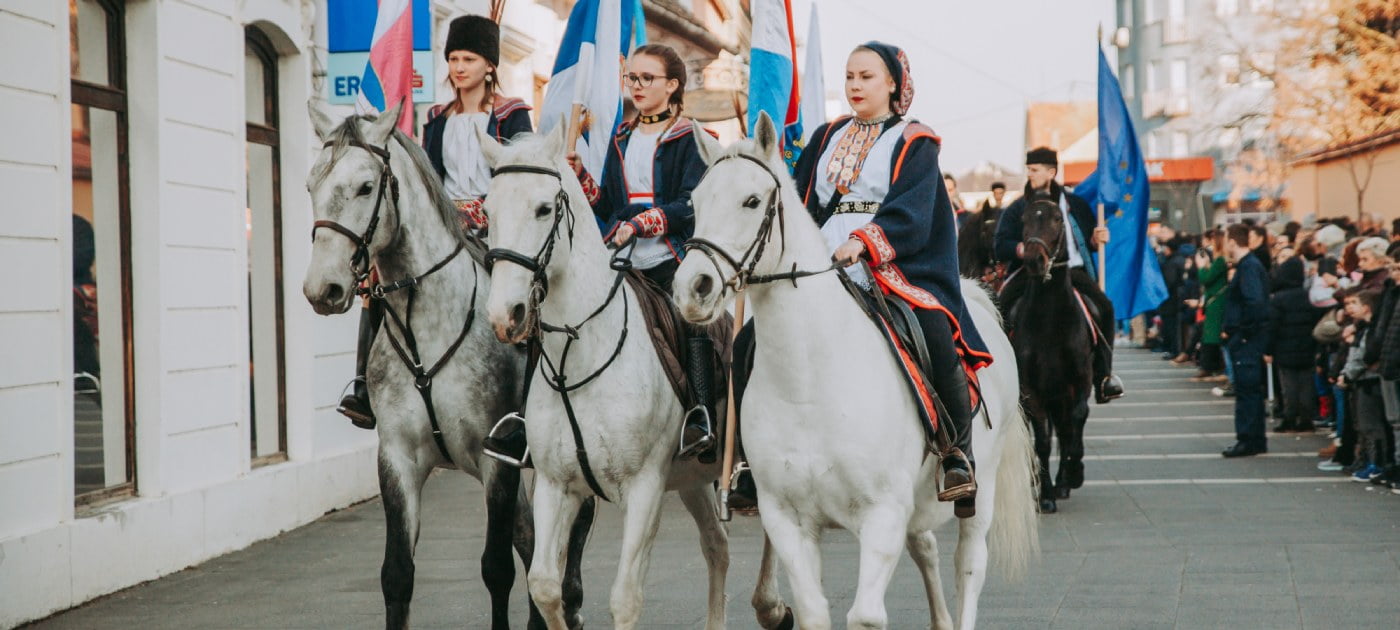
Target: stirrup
(687, 451)
(961, 491)
(357, 418)
(497, 434)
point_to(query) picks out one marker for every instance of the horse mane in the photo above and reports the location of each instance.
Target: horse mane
(348, 134)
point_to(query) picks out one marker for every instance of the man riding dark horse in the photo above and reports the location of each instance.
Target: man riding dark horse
(1042, 165)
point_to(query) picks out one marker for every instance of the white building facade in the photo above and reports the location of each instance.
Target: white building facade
(167, 395)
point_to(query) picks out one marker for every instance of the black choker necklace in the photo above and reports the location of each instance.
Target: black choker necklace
(647, 120)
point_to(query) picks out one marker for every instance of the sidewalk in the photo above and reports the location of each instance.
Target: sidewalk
(1165, 534)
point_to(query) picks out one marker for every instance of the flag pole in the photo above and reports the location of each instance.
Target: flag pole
(731, 421)
(1103, 253)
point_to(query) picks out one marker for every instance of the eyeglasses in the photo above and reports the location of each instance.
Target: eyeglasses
(644, 79)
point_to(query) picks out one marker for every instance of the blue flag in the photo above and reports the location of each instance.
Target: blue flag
(1133, 278)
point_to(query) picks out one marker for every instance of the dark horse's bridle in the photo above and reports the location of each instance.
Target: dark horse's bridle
(744, 265)
(538, 266)
(1046, 252)
(360, 265)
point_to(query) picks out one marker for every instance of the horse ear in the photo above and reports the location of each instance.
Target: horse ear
(320, 119)
(709, 147)
(490, 147)
(765, 136)
(554, 144)
(383, 126)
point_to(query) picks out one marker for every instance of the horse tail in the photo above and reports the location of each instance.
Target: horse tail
(1014, 535)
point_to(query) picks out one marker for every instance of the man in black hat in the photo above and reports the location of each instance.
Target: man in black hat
(998, 198)
(1082, 233)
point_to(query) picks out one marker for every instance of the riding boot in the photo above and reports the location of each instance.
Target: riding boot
(1107, 385)
(959, 481)
(697, 432)
(355, 404)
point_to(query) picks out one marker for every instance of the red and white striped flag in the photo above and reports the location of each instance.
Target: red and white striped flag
(388, 78)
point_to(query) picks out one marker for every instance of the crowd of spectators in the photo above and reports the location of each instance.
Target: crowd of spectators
(1326, 327)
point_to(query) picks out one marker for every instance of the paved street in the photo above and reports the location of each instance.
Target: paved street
(1165, 534)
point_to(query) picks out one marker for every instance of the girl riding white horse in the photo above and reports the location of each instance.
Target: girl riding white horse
(838, 442)
(603, 418)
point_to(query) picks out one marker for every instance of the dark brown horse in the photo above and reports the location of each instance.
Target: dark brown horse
(976, 257)
(1053, 343)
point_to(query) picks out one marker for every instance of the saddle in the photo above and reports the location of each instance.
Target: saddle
(901, 331)
(668, 335)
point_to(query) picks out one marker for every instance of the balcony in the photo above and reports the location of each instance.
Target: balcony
(1153, 104)
(1177, 104)
(1174, 31)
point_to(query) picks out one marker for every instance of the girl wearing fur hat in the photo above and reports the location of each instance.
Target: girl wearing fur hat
(872, 182)
(472, 53)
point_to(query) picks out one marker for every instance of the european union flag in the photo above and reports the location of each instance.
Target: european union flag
(1132, 277)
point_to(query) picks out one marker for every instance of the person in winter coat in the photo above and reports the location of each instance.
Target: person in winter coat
(1213, 273)
(1173, 272)
(1292, 349)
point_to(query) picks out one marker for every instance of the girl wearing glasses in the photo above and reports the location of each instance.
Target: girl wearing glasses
(643, 201)
(872, 182)
(473, 51)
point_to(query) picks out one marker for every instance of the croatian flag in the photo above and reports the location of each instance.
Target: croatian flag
(388, 78)
(588, 72)
(773, 84)
(813, 85)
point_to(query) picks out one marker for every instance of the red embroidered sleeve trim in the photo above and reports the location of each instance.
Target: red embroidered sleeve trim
(472, 214)
(650, 223)
(590, 188)
(877, 247)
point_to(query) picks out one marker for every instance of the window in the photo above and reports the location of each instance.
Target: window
(1227, 8)
(104, 455)
(1230, 69)
(1153, 144)
(1180, 144)
(1127, 20)
(1129, 90)
(1150, 11)
(1154, 71)
(264, 232)
(1176, 10)
(1178, 76)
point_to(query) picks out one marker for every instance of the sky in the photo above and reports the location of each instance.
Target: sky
(976, 63)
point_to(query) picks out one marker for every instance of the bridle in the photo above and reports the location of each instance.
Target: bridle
(1047, 254)
(359, 262)
(536, 327)
(407, 350)
(744, 265)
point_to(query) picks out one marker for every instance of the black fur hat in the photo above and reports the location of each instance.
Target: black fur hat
(1043, 155)
(476, 34)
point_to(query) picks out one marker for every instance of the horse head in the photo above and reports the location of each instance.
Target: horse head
(1042, 236)
(987, 221)
(533, 204)
(740, 227)
(354, 195)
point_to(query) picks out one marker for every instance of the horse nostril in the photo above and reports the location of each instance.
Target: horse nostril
(704, 285)
(517, 314)
(334, 293)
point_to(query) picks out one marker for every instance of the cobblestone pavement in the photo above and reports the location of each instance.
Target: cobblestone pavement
(1164, 534)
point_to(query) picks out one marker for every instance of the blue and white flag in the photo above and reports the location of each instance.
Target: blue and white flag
(1132, 276)
(588, 72)
(813, 84)
(773, 73)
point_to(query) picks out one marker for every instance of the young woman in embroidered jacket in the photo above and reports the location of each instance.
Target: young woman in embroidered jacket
(643, 203)
(872, 182)
(473, 51)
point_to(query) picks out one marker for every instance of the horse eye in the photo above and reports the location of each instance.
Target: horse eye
(365, 189)
(543, 211)
(751, 202)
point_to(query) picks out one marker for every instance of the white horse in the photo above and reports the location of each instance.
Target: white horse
(376, 195)
(836, 442)
(615, 429)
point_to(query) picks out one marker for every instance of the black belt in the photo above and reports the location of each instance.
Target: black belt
(862, 207)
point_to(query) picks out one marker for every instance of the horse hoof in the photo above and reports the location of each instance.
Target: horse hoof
(577, 623)
(1062, 492)
(1047, 506)
(788, 622)
(1074, 476)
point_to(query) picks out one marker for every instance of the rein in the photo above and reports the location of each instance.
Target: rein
(539, 289)
(360, 265)
(744, 266)
(1048, 256)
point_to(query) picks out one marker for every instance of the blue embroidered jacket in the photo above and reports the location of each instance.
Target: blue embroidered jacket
(912, 240)
(509, 116)
(676, 171)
